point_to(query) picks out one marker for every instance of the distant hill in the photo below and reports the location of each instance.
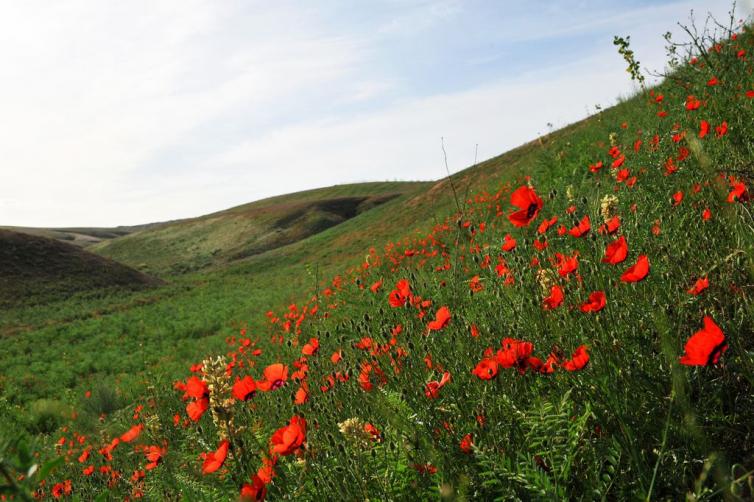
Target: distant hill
(34, 269)
(80, 236)
(250, 229)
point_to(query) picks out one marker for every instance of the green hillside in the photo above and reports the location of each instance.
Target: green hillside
(572, 319)
(82, 236)
(248, 230)
(35, 270)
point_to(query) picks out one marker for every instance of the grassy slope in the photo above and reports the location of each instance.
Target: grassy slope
(121, 335)
(634, 370)
(35, 269)
(80, 236)
(247, 230)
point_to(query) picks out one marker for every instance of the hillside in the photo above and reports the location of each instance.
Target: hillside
(247, 230)
(80, 236)
(35, 269)
(541, 326)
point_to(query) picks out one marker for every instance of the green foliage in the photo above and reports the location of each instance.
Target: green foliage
(632, 424)
(45, 416)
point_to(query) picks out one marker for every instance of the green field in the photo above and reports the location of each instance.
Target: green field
(636, 421)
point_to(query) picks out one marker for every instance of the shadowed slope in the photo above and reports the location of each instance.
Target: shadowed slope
(34, 268)
(248, 230)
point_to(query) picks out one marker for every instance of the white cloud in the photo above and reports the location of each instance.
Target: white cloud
(124, 113)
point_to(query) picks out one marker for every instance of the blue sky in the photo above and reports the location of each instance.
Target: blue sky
(140, 111)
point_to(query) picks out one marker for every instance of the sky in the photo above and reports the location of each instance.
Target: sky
(121, 113)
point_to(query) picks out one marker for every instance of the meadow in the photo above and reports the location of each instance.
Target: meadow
(570, 320)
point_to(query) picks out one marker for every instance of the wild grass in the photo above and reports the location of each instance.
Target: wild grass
(632, 422)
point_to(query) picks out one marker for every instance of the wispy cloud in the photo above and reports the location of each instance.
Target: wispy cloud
(121, 113)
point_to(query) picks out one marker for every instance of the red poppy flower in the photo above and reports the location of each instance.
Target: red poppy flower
(610, 226)
(254, 492)
(466, 444)
(548, 367)
(721, 130)
(706, 345)
(474, 331)
(703, 128)
(107, 450)
(555, 299)
(196, 388)
(432, 389)
(290, 438)
(310, 348)
(400, 294)
(540, 245)
(132, 433)
(60, 489)
(578, 359)
(267, 471)
(618, 162)
(700, 285)
(364, 343)
(706, 214)
(486, 369)
(514, 353)
(595, 303)
(637, 272)
(376, 286)
(442, 318)
(596, 166)
(616, 251)
(566, 264)
(275, 376)
(475, 284)
(395, 299)
(582, 228)
(692, 103)
(244, 389)
(738, 192)
(528, 203)
(195, 409)
(302, 394)
(154, 456)
(336, 357)
(509, 243)
(215, 459)
(546, 224)
(373, 431)
(677, 198)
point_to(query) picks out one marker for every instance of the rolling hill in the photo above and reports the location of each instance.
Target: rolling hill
(34, 269)
(600, 356)
(80, 236)
(248, 230)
